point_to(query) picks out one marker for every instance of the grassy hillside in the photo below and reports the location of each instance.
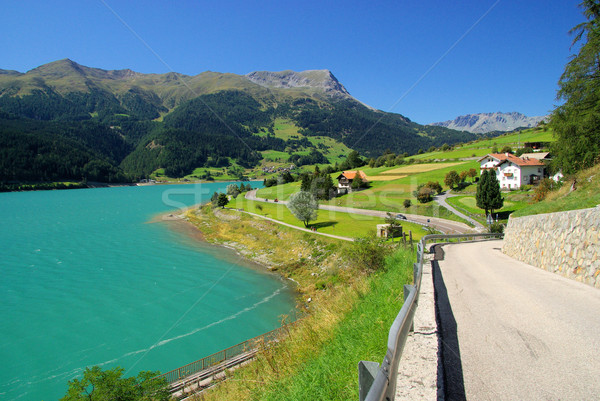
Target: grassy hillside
(482, 147)
(578, 192)
(347, 319)
(389, 187)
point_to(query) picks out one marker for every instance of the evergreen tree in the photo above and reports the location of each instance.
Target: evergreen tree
(576, 123)
(357, 182)
(222, 200)
(488, 196)
(214, 199)
(306, 182)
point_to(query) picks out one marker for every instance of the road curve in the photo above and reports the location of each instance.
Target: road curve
(441, 200)
(443, 225)
(511, 331)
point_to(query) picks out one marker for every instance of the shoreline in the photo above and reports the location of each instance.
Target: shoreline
(94, 185)
(178, 221)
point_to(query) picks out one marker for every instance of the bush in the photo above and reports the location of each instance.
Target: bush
(425, 194)
(368, 253)
(544, 187)
(435, 186)
(497, 227)
(407, 203)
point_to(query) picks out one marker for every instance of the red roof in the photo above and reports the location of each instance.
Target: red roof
(351, 174)
(509, 157)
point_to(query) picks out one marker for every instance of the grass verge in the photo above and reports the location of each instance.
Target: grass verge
(348, 318)
(584, 194)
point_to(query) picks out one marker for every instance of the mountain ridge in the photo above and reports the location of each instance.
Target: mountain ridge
(481, 123)
(179, 122)
(323, 79)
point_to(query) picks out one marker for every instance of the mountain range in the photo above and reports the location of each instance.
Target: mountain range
(489, 122)
(63, 120)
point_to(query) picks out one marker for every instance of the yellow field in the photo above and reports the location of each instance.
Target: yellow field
(405, 171)
(385, 177)
(417, 168)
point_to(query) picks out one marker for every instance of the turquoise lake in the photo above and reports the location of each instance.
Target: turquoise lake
(89, 277)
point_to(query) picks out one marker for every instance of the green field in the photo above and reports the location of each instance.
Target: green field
(329, 222)
(387, 195)
(513, 202)
(275, 156)
(482, 147)
(286, 129)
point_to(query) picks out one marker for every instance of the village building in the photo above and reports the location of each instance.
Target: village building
(345, 180)
(513, 172)
(542, 156)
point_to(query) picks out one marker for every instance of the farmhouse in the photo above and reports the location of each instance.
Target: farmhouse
(345, 180)
(512, 171)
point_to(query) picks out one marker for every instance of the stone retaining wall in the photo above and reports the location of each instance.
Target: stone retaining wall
(566, 243)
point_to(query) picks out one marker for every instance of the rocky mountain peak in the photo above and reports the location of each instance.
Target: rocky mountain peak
(318, 79)
(486, 122)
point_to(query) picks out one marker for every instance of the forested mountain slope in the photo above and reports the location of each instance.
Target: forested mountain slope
(137, 123)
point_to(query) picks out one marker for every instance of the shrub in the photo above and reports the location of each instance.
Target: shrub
(544, 187)
(368, 253)
(435, 186)
(425, 194)
(497, 227)
(407, 203)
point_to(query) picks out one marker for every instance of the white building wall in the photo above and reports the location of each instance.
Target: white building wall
(509, 176)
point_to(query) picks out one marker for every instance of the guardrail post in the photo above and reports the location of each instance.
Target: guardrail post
(415, 276)
(366, 376)
(407, 289)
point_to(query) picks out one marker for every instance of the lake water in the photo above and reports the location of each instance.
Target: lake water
(86, 278)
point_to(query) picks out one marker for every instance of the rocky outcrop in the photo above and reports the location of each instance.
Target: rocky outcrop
(566, 243)
(317, 79)
(488, 122)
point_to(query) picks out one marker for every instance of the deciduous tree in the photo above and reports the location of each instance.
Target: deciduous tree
(233, 190)
(109, 385)
(576, 123)
(452, 179)
(303, 206)
(472, 173)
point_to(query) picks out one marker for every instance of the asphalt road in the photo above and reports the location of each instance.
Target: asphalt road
(441, 200)
(443, 225)
(511, 331)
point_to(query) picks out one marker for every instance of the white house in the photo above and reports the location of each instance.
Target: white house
(345, 180)
(511, 171)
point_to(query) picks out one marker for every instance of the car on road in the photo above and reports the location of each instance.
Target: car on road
(401, 217)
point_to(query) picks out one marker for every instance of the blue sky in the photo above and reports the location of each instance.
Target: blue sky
(382, 52)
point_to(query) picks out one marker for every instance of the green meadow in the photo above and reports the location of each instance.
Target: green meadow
(484, 146)
(328, 222)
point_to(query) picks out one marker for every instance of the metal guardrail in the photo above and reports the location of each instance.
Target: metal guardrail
(378, 382)
(223, 355)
